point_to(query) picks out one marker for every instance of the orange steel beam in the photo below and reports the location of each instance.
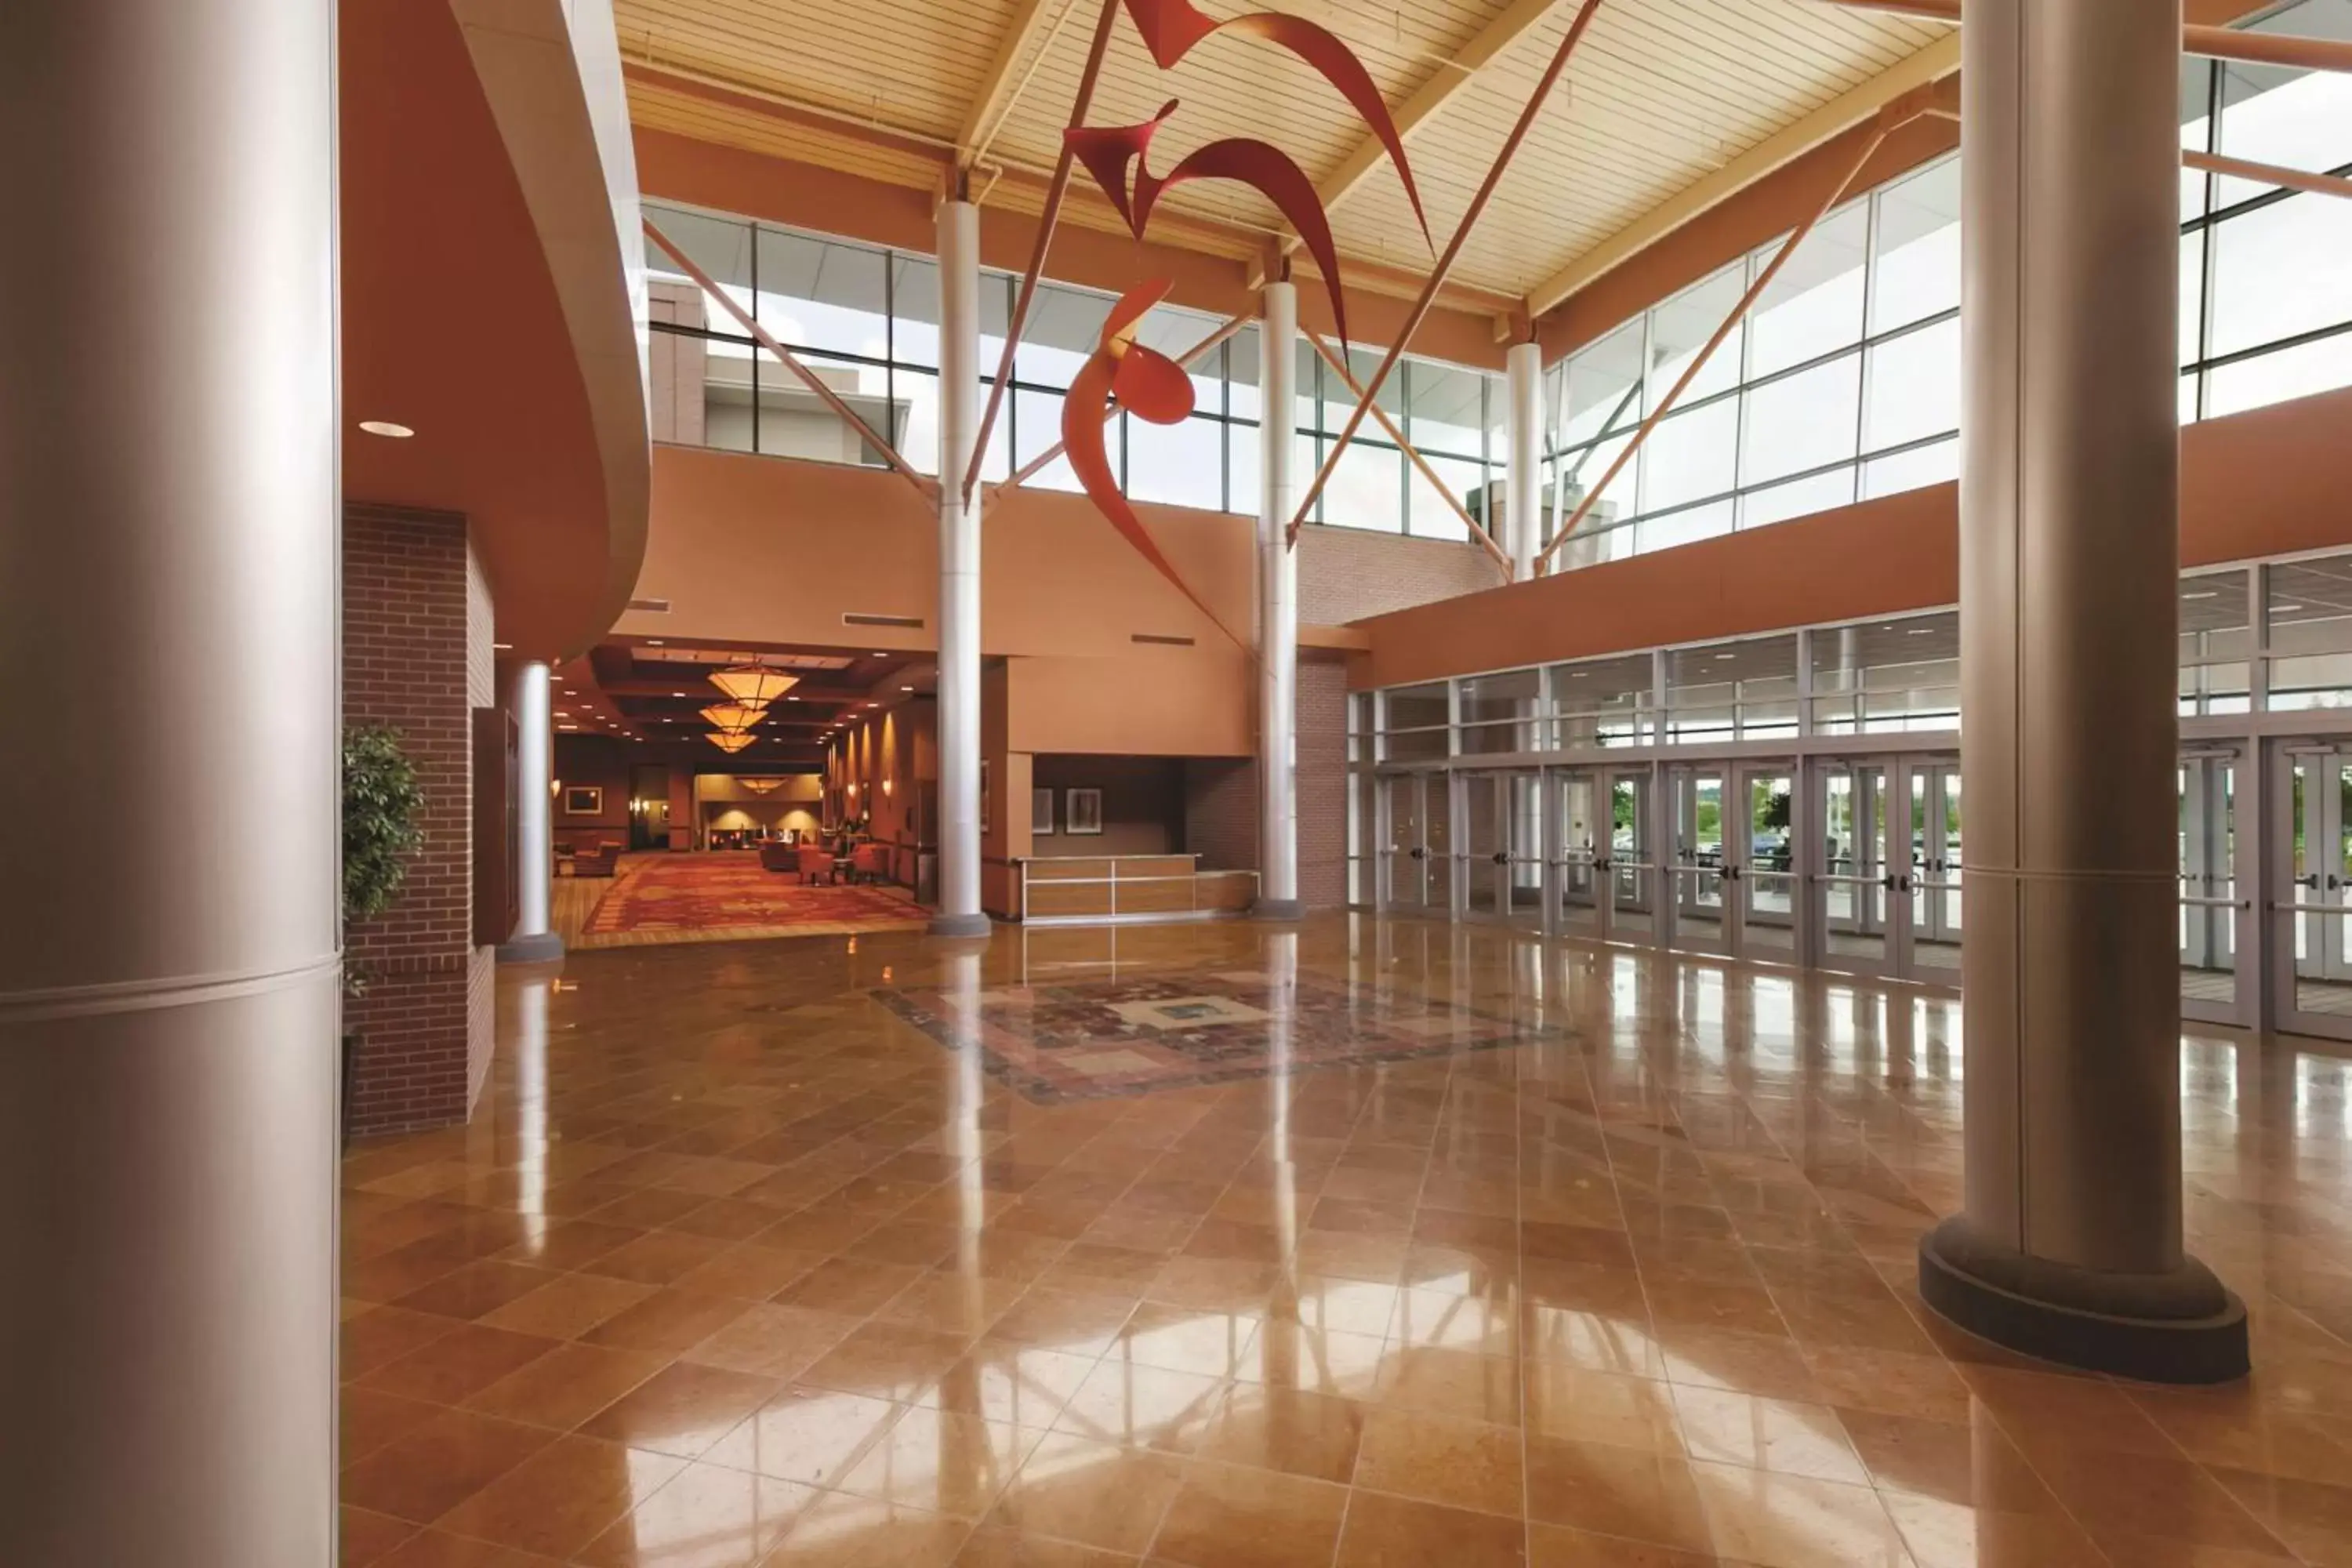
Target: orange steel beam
(759, 334)
(1888, 120)
(2270, 173)
(2211, 43)
(1484, 539)
(1046, 222)
(1036, 464)
(2243, 168)
(1436, 279)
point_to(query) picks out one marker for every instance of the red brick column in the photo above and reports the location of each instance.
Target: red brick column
(416, 659)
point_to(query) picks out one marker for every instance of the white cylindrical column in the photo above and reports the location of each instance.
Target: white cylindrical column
(533, 941)
(169, 998)
(1523, 471)
(1277, 612)
(2069, 1245)
(959, 911)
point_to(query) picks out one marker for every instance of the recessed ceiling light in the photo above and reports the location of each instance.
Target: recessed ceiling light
(879, 654)
(386, 428)
(653, 642)
(1920, 632)
(2203, 593)
(1722, 657)
(677, 694)
(2284, 609)
(906, 689)
(503, 646)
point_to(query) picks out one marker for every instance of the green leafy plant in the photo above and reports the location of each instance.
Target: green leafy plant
(382, 805)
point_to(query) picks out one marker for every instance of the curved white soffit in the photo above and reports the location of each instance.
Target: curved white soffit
(552, 72)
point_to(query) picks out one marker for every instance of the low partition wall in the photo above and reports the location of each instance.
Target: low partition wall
(1097, 890)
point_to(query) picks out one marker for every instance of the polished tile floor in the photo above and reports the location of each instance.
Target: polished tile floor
(736, 1266)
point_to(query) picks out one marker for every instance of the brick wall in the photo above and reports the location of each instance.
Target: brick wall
(1220, 811)
(1221, 794)
(416, 646)
(1346, 573)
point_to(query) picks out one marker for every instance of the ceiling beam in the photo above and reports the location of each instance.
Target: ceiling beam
(1429, 100)
(1003, 82)
(1854, 107)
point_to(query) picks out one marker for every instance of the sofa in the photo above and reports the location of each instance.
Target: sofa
(601, 859)
(775, 855)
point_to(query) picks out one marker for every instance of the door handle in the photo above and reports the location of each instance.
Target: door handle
(1418, 853)
(1502, 859)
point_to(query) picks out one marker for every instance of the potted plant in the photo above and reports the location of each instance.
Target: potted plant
(382, 803)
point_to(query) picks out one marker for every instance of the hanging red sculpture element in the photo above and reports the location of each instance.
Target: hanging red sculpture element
(1150, 386)
(1107, 151)
(1170, 28)
(1147, 384)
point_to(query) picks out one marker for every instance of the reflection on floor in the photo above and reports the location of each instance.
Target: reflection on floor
(738, 1266)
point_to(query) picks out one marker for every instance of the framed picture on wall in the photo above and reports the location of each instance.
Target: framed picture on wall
(983, 795)
(1084, 812)
(1041, 813)
(583, 800)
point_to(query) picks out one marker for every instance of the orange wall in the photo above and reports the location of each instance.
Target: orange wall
(771, 550)
(2269, 482)
(1128, 708)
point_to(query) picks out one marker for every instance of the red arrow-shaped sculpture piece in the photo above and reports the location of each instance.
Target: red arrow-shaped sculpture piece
(1107, 151)
(1171, 28)
(1150, 385)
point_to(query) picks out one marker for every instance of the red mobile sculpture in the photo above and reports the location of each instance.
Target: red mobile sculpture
(1144, 382)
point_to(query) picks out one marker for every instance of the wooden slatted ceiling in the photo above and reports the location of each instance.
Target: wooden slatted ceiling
(1663, 94)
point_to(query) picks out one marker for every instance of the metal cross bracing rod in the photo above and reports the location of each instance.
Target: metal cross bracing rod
(1890, 118)
(792, 362)
(1436, 279)
(1389, 425)
(1046, 222)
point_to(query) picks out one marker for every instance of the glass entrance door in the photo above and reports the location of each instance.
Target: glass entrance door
(1698, 914)
(2209, 904)
(1405, 867)
(1501, 862)
(1604, 863)
(1523, 847)
(2313, 973)
(1933, 934)
(1764, 869)
(1482, 857)
(1854, 910)
(1889, 876)
(1580, 852)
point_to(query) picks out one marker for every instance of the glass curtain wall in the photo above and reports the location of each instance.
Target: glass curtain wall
(865, 320)
(1843, 383)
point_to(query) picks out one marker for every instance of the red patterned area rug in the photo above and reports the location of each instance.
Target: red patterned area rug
(727, 897)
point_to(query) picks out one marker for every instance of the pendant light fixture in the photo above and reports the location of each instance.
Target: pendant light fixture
(762, 787)
(734, 718)
(754, 685)
(726, 741)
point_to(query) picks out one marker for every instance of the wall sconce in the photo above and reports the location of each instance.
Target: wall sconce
(886, 786)
(554, 786)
